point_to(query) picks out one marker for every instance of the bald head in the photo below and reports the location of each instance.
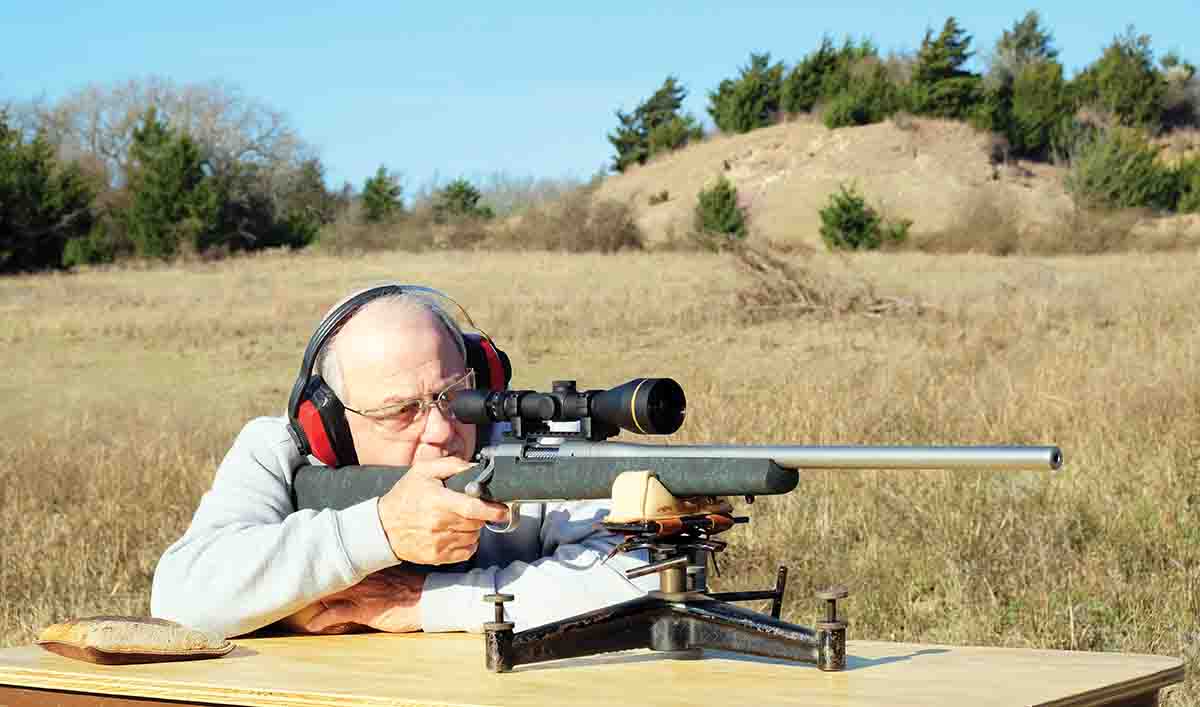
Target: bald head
(392, 350)
(392, 311)
(389, 346)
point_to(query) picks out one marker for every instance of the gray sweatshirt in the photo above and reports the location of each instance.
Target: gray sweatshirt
(249, 558)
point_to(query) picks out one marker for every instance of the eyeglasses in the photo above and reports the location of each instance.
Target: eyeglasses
(406, 412)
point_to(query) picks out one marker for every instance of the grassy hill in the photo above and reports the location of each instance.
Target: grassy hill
(947, 178)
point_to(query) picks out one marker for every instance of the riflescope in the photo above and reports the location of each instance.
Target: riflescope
(649, 406)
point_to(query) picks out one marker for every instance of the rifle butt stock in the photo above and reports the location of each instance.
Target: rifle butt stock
(320, 487)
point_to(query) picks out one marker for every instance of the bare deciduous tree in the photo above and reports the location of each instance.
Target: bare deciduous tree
(232, 129)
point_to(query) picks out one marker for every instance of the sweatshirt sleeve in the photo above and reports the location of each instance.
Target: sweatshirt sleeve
(571, 577)
(249, 558)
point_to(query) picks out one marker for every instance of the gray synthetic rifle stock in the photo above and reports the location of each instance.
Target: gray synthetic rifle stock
(551, 469)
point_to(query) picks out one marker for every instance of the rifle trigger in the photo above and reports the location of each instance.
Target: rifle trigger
(514, 520)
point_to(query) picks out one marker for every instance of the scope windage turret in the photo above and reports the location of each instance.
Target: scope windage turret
(646, 406)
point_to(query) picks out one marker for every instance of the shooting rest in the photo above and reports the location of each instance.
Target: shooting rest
(682, 618)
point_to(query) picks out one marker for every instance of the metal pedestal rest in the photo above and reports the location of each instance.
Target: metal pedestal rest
(683, 618)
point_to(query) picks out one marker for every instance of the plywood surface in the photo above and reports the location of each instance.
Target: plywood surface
(447, 669)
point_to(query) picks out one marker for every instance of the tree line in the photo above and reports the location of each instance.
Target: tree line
(151, 169)
(1101, 120)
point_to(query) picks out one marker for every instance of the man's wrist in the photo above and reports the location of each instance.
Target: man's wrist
(383, 527)
(363, 538)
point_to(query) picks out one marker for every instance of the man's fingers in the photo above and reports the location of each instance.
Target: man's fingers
(451, 522)
(337, 613)
(440, 469)
(474, 508)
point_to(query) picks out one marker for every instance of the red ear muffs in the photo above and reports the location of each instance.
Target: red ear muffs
(323, 420)
(493, 370)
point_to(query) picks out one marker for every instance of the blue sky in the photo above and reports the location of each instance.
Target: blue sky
(442, 90)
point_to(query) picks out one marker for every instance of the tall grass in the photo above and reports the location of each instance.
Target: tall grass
(988, 221)
(574, 222)
(125, 387)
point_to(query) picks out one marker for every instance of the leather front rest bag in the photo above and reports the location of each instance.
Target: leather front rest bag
(118, 640)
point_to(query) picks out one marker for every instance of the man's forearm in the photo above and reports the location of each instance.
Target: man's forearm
(248, 559)
(240, 577)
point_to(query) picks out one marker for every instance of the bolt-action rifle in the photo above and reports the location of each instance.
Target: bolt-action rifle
(557, 450)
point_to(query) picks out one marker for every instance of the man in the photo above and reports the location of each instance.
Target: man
(250, 558)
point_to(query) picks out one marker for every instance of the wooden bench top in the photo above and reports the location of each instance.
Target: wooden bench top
(448, 669)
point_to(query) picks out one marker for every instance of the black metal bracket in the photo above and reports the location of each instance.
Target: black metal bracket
(675, 622)
(775, 595)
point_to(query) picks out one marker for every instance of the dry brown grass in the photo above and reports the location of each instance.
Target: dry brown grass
(125, 387)
(576, 222)
(988, 222)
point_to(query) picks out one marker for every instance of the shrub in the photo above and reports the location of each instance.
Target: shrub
(940, 86)
(350, 236)
(381, 199)
(1040, 108)
(1181, 102)
(849, 223)
(823, 74)
(577, 223)
(459, 200)
(1188, 180)
(655, 126)
(804, 85)
(1124, 82)
(672, 135)
(954, 98)
(43, 205)
(749, 101)
(718, 212)
(1119, 168)
(992, 113)
(1025, 43)
(869, 99)
(97, 246)
(174, 204)
(610, 227)
(1032, 108)
(986, 221)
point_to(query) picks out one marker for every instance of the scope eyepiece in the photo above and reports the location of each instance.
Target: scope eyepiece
(643, 405)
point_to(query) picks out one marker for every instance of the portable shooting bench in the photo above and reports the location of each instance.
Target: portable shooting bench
(448, 669)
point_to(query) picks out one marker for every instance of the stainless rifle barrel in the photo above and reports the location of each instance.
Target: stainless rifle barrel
(837, 457)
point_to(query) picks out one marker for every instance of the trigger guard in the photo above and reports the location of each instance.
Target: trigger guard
(514, 520)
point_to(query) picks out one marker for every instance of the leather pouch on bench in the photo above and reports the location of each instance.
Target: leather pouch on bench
(118, 640)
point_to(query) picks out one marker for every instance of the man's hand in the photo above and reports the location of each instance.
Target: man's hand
(429, 524)
(388, 600)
